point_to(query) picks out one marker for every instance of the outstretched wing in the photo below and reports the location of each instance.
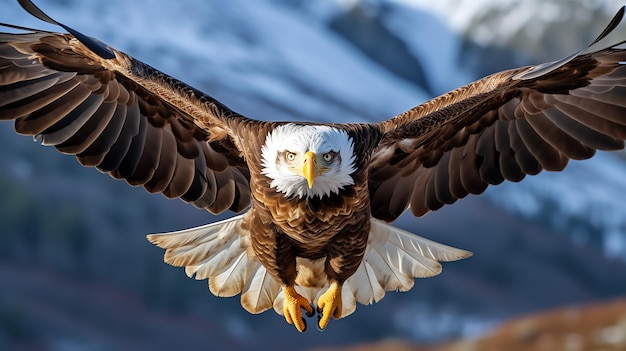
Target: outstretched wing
(122, 116)
(501, 127)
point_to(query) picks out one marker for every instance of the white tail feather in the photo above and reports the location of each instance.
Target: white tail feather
(233, 278)
(365, 285)
(260, 292)
(221, 253)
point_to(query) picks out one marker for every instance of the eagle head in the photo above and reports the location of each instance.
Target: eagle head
(308, 160)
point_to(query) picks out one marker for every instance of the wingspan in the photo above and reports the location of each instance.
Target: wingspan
(502, 127)
(122, 116)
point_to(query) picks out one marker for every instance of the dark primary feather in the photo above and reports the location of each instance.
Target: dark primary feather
(501, 127)
(93, 44)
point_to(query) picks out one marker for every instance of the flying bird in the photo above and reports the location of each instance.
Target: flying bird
(315, 199)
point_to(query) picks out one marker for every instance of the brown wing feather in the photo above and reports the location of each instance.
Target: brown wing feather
(501, 127)
(123, 117)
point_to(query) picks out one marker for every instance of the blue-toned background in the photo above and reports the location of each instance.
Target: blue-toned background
(76, 272)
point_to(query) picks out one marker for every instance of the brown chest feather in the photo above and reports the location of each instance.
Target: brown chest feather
(312, 223)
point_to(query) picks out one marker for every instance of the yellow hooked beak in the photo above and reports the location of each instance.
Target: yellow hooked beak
(309, 167)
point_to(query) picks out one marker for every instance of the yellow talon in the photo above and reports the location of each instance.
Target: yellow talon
(292, 308)
(329, 304)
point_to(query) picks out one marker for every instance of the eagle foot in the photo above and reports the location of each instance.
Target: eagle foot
(294, 302)
(329, 304)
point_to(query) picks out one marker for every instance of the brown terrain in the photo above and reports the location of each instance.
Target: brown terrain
(597, 327)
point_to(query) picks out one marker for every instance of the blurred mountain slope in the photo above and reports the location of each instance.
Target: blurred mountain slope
(73, 239)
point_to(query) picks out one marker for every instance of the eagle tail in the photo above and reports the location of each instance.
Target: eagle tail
(221, 253)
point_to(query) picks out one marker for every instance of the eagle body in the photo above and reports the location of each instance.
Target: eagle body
(315, 199)
(314, 227)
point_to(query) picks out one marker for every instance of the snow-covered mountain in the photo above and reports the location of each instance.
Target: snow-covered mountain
(294, 60)
(529, 24)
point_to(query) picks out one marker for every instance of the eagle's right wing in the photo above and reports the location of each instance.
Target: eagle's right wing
(122, 116)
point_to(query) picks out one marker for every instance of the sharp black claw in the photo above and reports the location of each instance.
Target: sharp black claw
(310, 314)
(304, 321)
(319, 318)
(318, 327)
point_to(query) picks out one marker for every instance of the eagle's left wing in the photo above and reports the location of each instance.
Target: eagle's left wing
(501, 127)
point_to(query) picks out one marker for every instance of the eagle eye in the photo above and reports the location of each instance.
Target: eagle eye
(329, 156)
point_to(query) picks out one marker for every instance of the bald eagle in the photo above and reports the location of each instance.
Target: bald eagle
(318, 198)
